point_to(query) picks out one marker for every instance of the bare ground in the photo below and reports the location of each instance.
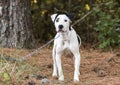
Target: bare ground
(97, 67)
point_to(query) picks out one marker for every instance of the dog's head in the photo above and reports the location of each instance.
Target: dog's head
(62, 22)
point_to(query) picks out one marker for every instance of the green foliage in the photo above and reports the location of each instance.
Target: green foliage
(6, 76)
(108, 25)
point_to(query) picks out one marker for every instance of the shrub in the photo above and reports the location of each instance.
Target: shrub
(108, 24)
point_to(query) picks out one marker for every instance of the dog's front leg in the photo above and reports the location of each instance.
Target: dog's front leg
(54, 63)
(59, 65)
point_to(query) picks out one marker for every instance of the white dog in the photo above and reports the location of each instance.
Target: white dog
(66, 38)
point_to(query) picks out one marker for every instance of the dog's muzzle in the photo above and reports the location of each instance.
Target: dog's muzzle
(60, 28)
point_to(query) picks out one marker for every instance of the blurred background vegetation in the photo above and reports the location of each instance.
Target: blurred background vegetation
(100, 29)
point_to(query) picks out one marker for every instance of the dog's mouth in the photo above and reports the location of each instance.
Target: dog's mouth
(60, 31)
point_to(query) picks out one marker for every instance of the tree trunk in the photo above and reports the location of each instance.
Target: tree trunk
(16, 24)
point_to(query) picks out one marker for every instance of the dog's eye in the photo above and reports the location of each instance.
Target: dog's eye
(65, 20)
(57, 20)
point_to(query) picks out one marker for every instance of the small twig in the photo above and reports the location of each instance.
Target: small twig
(13, 69)
(110, 49)
(93, 46)
(1, 70)
(112, 59)
(13, 74)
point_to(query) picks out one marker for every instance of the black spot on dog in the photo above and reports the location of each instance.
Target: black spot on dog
(78, 39)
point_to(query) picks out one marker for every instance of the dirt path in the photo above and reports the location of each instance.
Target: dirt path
(97, 67)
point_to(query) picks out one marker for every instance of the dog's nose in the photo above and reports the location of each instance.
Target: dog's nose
(60, 26)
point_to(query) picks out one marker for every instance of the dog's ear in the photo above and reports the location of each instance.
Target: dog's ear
(53, 16)
(70, 16)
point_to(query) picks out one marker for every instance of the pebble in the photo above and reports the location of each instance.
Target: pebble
(45, 81)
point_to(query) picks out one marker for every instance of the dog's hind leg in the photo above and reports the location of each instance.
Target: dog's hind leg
(76, 64)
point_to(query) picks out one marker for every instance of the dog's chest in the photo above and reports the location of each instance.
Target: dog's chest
(66, 40)
(66, 44)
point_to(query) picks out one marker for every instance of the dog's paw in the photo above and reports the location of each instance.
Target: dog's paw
(55, 77)
(61, 78)
(76, 77)
(76, 80)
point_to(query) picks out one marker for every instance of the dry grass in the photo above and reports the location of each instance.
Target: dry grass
(32, 71)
